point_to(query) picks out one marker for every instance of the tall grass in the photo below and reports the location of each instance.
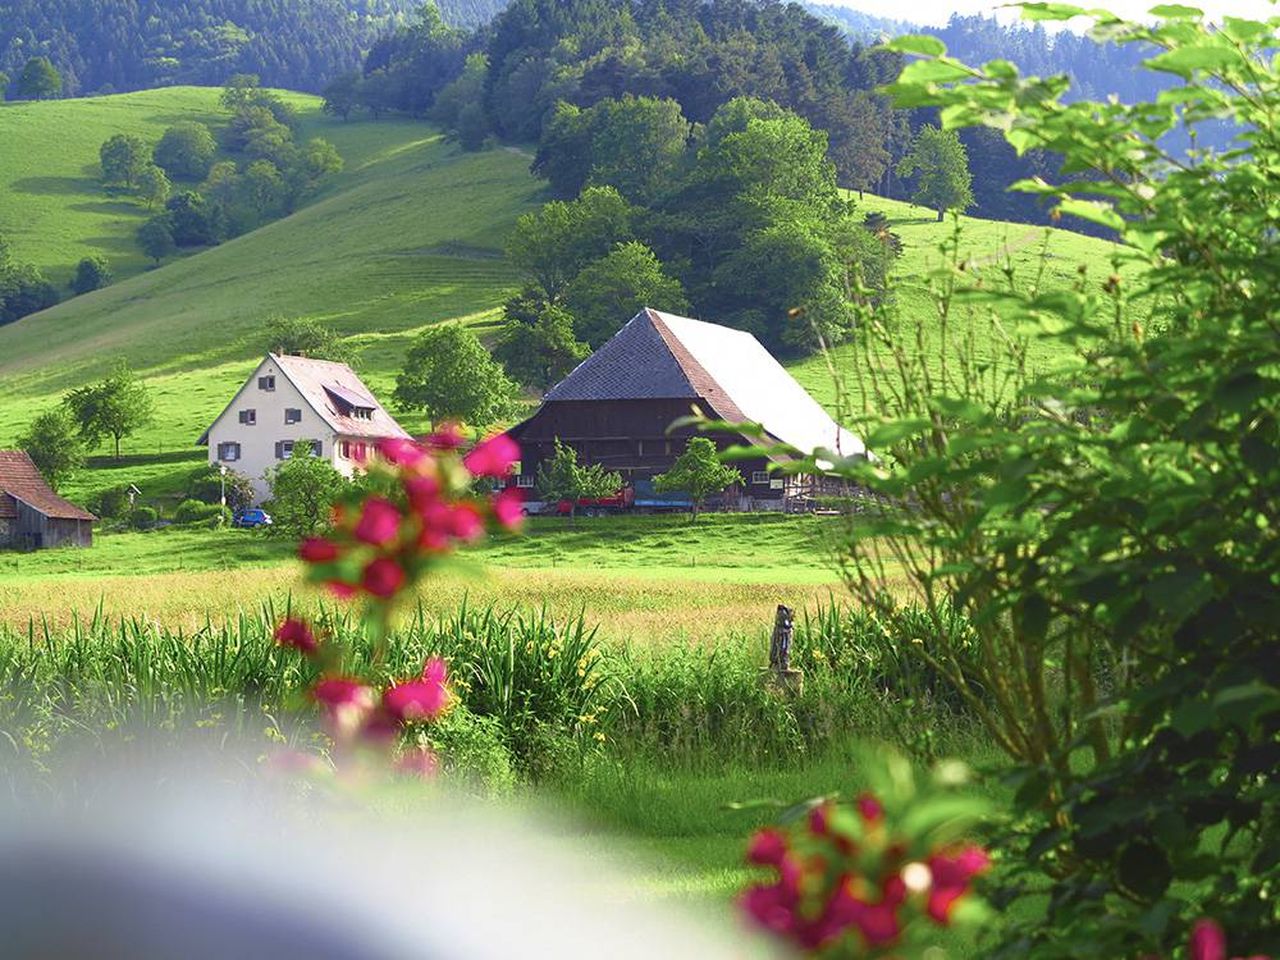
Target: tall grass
(540, 682)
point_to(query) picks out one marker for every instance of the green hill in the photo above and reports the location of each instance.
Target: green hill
(408, 235)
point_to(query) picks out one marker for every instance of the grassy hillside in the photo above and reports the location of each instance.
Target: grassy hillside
(409, 234)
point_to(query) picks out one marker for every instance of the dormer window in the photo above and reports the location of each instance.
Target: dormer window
(267, 383)
(362, 413)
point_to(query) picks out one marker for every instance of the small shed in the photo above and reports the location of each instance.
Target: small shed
(32, 516)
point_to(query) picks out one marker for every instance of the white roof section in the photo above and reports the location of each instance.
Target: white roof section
(759, 386)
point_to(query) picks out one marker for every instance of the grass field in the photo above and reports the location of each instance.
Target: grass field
(653, 579)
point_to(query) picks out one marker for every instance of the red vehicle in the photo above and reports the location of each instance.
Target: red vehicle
(599, 506)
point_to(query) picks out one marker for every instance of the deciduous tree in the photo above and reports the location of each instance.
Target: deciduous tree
(305, 337)
(554, 243)
(39, 79)
(940, 164)
(122, 157)
(610, 291)
(115, 407)
(92, 273)
(54, 445)
(539, 347)
(303, 491)
(156, 239)
(697, 472)
(153, 186)
(562, 478)
(449, 375)
(186, 151)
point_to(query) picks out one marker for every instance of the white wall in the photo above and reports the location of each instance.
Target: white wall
(258, 441)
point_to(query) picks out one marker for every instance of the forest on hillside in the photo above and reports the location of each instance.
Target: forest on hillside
(106, 46)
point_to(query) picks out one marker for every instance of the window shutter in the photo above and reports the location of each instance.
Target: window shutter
(279, 449)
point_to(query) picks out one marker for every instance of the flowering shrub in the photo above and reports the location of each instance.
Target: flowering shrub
(868, 877)
(417, 504)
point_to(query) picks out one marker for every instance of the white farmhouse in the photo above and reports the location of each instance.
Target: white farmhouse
(289, 400)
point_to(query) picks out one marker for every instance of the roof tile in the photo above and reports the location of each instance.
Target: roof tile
(21, 480)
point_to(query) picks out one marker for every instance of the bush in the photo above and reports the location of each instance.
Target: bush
(92, 273)
(143, 517)
(193, 511)
(207, 483)
(473, 751)
(110, 504)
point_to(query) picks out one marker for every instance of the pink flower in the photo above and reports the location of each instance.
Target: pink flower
(295, 633)
(508, 508)
(951, 879)
(819, 820)
(870, 808)
(341, 590)
(432, 540)
(421, 763)
(1208, 942)
(382, 578)
(422, 490)
(771, 908)
(767, 847)
(448, 436)
(461, 521)
(421, 699)
(347, 704)
(493, 457)
(402, 452)
(379, 522)
(318, 550)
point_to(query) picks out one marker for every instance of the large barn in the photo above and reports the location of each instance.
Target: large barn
(615, 407)
(32, 516)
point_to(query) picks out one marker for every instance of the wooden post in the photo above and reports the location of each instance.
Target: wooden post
(779, 674)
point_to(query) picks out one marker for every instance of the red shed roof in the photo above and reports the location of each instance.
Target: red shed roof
(20, 479)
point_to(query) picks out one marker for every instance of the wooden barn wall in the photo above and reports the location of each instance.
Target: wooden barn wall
(35, 530)
(629, 436)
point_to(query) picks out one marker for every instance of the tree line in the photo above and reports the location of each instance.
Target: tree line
(108, 46)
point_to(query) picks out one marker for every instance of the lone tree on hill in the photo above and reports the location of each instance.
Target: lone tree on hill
(342, 94)
(563, 478)
(53, 444)
(942, 163)
(153, 186)
(449, 375)
(697, 472)
(115, 407)
(39, 79)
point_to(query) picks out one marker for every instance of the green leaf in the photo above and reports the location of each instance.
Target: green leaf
(1176, 11)
(1094, 211)
(921, 44)
(890, 433)
(933, 71)
(1051, 11)
(1184, 60)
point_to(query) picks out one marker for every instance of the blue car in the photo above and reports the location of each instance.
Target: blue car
(252, 518)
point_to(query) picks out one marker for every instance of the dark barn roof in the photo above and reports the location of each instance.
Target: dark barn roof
(21, 480)
(662, 356)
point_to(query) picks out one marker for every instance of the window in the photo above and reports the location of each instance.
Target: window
(362, 413)
(760, 476)
(777, 483)
(267, 383)
(229, 452)
(284, 449)
(292, 415)
(524, 481)
(317, 448)
(249, 417)
(344, 449)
